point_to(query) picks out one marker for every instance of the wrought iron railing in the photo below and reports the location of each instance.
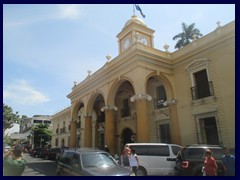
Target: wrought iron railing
(202, 92)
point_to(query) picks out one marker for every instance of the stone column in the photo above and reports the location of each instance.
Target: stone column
(88, 131)
(142, 119)
(73, 134)
(110, 127)
(109, 130)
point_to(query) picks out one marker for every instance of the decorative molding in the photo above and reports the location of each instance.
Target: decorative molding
(109, 107)
(141, 96)
(203, 62)
(169, 102)
(204, 109)
(162, 117)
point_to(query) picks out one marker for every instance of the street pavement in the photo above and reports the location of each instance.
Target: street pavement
(39, 166)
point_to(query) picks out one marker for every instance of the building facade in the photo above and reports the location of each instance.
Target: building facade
(26, 133)
(148, 95)
(61, 128)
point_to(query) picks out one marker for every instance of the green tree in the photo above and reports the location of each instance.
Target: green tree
(9, 117)
(42, 135)
(7, 139)
(189, 33)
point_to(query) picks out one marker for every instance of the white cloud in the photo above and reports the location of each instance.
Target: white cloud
(63, 11)
(21, 92)
(71, 11)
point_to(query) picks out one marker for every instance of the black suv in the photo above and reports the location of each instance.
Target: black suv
(88, 162)
(190, 159)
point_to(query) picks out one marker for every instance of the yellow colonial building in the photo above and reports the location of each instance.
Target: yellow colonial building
(148, 95)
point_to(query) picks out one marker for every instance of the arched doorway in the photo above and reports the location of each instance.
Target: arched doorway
(126, 136)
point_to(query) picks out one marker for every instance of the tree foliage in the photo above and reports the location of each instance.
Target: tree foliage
(9, 117)
(7, 139)
(189, 33)
(42, 135)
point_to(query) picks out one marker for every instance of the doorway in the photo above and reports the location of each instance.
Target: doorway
(209, 129)
(126, 137)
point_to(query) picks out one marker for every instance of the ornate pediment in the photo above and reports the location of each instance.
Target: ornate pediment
(205, 109)
(198, 63)
(162, 117)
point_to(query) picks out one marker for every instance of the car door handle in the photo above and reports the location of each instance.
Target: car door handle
(171, 159)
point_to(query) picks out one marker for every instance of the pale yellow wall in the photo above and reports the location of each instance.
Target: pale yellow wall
(183, 96)
(224, 77)
(59, 118)
(138, 63)
(222, 73)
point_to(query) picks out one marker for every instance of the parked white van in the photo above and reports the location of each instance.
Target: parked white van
(157, 159)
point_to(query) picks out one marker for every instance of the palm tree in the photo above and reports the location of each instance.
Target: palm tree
(189, 33)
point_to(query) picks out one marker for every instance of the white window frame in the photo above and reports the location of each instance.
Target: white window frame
(196, 66)
(198, 117)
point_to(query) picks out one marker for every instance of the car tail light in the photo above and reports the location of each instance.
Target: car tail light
(185, 164)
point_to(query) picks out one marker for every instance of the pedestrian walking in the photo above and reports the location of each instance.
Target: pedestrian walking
(125, 159)
(228, 162)
(13, 162)
(133, 161)
(210, 165)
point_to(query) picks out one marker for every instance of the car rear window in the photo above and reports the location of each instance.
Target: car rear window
(194, 153)
(151, 150)
(175, 149)
(199, 153)
(217, 153)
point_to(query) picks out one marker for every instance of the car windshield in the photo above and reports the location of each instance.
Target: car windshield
(97, 160)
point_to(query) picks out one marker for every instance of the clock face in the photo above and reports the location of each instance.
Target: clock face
(126, 43)
(144, 40)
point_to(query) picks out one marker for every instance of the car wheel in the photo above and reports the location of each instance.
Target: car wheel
(141, 172)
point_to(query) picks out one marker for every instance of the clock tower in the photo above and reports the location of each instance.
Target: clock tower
(135, 31)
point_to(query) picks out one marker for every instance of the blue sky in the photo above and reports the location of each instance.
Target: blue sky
(48, 47)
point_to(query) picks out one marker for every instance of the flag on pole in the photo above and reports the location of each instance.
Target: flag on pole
(139, 9)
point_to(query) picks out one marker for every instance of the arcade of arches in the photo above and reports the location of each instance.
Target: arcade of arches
(120, 116)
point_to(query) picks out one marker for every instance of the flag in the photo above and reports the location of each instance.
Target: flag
(139, 9)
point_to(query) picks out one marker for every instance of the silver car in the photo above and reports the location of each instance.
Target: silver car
(84, 162)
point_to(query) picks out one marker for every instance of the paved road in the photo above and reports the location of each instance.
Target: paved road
(39, 167)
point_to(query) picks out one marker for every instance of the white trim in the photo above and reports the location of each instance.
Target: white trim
(195, 66)
(199, 130)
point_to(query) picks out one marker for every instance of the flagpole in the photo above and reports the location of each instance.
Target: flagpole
(133, 10)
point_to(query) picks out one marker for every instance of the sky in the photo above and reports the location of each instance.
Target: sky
(46, 47)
